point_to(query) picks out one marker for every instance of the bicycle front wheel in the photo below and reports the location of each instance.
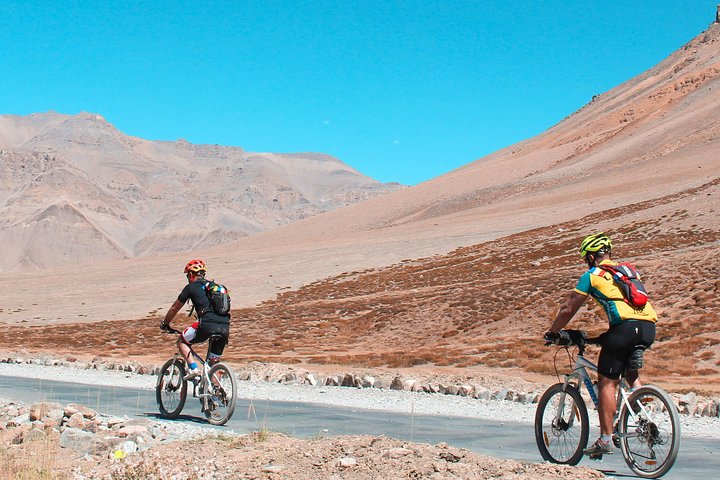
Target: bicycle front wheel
(649, 432)
(561, 425)
(171, 388)
(220, 405)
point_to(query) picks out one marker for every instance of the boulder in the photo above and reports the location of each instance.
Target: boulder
(688, 403)
(86, 412)
(128, 446)
(289, 378)
(465, 391)
(310, 379)
(332, 381)
(396, 384)
(409, 384)
(451, 390)
(348, 380)
(34, 435)
(40, 410)
(128, 430)
(347, 462)
(368, 381)
(81, 441)
(481, 393)
(76, 420)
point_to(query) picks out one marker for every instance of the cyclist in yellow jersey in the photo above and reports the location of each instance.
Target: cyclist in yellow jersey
(631, 330)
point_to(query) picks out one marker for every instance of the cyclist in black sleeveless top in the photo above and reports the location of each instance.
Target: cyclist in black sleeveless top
(208, 322)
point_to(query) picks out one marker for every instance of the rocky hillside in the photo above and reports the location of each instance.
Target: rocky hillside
(73, 189)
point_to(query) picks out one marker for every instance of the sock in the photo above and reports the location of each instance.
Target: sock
(193, 366)
(606, 438)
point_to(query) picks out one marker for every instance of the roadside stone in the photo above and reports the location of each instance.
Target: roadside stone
(688, 402)
(127, 430)
(76, 420)
(80, 441)
(347, 462)
(451, 390)
(408, 385)
(310, 379)
(34, 435)
(40, 410)
(332, 381)
(19, 420)
(397, 452)
(396, 384)
(72, 408)
(143, 369)
(465, 391)
(481, 393)
(368, 381)
(128, 447)
(348, 380)
(289, 378)
(272, 468)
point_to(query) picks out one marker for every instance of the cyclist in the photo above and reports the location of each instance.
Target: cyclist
(629, 327)
(207, 322)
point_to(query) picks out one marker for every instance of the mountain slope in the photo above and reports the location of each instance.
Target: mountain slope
(142, 197)
(653, 137)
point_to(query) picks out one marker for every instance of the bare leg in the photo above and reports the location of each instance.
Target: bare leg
(608, 401)
(184, 350)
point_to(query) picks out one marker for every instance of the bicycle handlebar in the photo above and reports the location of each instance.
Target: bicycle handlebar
(576, 338)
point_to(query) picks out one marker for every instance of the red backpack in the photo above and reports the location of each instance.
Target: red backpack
(627, 279)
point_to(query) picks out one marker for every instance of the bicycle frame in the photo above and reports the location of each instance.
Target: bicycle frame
(580, 373)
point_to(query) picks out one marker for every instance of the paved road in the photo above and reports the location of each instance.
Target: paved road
(698, 459)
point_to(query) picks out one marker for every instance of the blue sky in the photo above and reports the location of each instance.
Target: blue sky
(402, 91)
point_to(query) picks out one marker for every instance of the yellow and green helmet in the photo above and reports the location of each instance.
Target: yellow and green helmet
(595, 243)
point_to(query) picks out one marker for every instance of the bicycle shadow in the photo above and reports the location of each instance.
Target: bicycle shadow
(180, 418)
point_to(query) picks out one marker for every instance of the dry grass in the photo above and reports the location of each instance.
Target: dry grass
(33, 460)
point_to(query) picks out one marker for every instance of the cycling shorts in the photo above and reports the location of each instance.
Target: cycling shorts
(619, 341)
(201, 331)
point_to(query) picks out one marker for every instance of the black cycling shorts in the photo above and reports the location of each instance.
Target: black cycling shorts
(618, 342)
(202, 330)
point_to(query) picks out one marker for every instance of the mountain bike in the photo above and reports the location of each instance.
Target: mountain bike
(215, 387)
(646, 422)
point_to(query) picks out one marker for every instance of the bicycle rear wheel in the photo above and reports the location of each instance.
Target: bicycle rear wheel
(561, 425)
(650, 434)
(171, 388)
(220, 405)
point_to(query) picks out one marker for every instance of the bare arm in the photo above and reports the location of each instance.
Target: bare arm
(174, 309)
(567, 311)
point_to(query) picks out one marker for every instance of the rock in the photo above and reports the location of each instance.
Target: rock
(34, 435)
(115, 421)
(332, 381)
(70, 359)
(368, 381)
(499, 394)
(451, 390)
(272, 468)
(143, 369)
(127, 430)
(128, 447)
(80, 441)
(76, 420)
(397, 452)
(348, 380)
(408, 385)
(40, 410)
(347, 462)
(521, 397)
(465, 391)
(481, 393)
(289, 378)
(396, 384)
(19, 420)
(86, 412)
(310, 379)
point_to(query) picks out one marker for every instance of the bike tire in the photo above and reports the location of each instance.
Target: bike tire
(171, 388)
(219, 408)
(644, 437)
(562, 442)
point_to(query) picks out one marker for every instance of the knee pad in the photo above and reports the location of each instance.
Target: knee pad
(635, 359)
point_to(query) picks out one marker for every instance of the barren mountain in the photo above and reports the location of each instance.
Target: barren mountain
(76, 190)
(469, 267)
